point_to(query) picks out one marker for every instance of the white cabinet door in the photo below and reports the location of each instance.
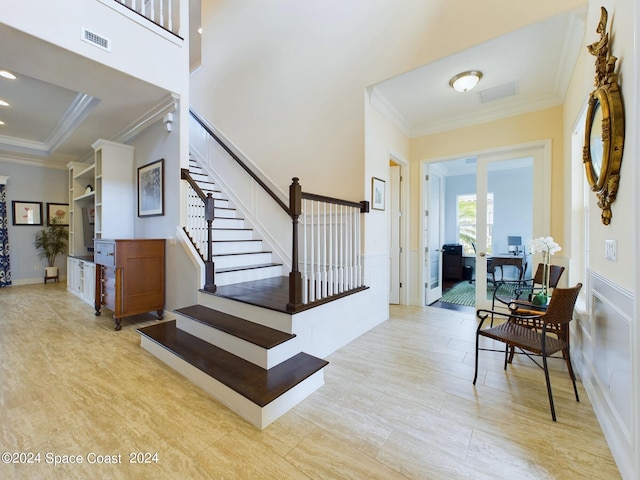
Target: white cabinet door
(89, 284)
(73, 275)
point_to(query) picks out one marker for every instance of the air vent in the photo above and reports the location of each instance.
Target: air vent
(95, 39)
(496, 93)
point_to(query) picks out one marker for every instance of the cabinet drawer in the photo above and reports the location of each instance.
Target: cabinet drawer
(105, 253)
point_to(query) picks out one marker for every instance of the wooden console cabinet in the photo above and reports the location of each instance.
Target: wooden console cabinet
(130, 277)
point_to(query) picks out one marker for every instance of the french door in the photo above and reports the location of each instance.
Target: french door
(432, 233)
(511, 191)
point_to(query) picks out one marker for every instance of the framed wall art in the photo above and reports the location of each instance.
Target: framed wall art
(27, 213)
(151, 189)
(377, 194)
(59, 211)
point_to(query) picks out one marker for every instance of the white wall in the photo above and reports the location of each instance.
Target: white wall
(181, 273)
(283, 80)
(607, 334)
(134, 50)
(32, 184)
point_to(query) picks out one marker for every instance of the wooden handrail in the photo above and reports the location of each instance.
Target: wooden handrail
(363, 205)
(239, 161)
(185, 175)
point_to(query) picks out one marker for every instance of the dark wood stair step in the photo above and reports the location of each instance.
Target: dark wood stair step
(251, 332)
(252, 382)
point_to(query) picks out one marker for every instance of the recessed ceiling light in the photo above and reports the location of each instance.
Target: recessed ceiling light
(1, 122)
(7, 74)
(3, 103)
(465, 81)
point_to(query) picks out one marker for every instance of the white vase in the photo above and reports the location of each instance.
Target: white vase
(50, 273)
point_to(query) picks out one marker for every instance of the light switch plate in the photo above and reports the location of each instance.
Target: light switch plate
(611, 250)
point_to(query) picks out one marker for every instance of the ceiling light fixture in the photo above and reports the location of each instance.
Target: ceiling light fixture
(465, 81)
(3, 103)
(7, 74)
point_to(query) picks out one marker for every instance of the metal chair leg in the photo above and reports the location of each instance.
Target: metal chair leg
(567, 358)
(475, 375)
(546, 376)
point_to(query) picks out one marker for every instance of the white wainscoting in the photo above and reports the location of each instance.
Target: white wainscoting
(602, 353)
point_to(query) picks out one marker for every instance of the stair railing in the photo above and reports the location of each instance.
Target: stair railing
(199, 228)
(164, 13)
(326, 256)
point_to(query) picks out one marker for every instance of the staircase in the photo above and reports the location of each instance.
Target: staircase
(238, 255)
(256, 370)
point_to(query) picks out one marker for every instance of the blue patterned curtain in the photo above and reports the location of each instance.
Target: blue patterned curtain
(5, 269)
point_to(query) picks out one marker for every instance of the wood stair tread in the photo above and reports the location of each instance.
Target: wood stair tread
(251, 332)
(252, 382)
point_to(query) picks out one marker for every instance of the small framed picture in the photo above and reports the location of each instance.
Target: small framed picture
(151, 189)
(377, 193)
(59, 211)
(27, 213)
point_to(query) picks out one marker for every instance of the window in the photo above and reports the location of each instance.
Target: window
(466, 214)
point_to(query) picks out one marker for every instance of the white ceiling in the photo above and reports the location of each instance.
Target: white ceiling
(61, 102)
(526, 70)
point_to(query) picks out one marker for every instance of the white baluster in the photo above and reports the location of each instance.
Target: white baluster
(305, 275)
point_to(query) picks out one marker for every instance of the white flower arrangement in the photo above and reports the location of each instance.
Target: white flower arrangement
(544, 245)
(547, 246)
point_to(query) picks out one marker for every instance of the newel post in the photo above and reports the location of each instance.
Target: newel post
(210, 284)
(295, 277)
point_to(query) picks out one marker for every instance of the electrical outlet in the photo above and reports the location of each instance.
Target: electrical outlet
(611, 250)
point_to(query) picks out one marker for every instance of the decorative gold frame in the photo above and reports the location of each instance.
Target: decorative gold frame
(604, 129)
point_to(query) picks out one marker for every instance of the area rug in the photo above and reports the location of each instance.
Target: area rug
(464, 293)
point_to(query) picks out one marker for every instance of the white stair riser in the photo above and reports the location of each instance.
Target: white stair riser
(232, 234)
(220, 203)
(237, 246)
(241, 260)
(225, 213)
(257, 416)
(238, 276)
(263, 316)
(199, 176)
(228, 223)
(265, 358)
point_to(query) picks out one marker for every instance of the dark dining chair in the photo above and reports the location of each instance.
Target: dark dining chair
(552, 337)
(509, 290)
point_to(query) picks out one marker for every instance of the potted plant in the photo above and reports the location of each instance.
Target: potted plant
(51, 242)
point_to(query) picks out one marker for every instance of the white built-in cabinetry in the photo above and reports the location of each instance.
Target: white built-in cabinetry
(81, 278)
(101, 205)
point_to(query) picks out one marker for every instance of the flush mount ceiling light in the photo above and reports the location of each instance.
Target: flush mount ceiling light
(7, 74)
(3, 103)
(465, 81)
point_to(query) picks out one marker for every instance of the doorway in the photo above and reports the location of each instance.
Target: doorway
(488, 202)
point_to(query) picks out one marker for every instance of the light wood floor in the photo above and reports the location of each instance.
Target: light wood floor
(398, 403)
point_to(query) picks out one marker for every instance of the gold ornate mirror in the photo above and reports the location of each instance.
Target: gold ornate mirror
(604, 130)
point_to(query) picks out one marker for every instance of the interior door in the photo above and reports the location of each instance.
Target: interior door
(432, 235)
(394, 232)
